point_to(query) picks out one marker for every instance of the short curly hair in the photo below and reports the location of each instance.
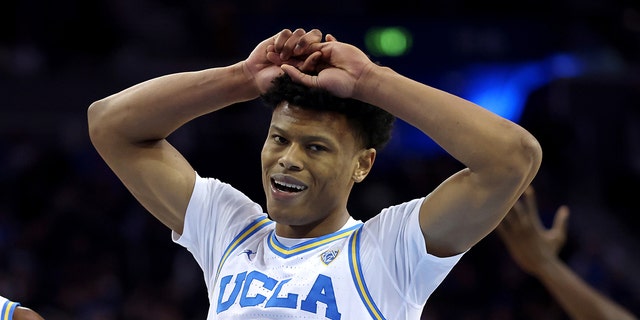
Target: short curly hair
(370, 123)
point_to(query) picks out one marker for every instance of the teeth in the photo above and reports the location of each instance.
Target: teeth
(289, 185)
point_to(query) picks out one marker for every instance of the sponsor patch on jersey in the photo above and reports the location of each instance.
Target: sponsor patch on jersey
(329, 255)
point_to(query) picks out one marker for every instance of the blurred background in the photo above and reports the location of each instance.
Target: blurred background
(74, 244)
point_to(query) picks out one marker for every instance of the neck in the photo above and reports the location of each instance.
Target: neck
(318, 229)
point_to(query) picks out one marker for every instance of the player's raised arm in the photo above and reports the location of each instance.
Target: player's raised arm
(129, 128)
(535, 249)
(501, 157)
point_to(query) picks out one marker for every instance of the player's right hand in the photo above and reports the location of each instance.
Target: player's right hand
(264, 62)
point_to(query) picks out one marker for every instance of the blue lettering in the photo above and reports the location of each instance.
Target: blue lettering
(322, 291)
(268, 283)
(291, 301)
(222, 306)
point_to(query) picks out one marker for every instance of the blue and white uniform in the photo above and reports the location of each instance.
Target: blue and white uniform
(8, 307)
(374, 270)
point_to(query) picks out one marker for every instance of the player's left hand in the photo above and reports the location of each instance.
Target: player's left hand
(264, 62)
(337, 70)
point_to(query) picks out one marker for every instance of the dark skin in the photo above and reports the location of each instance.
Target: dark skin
(22, 313)
(318, 153)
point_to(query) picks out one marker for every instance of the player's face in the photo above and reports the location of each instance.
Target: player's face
(308, 164)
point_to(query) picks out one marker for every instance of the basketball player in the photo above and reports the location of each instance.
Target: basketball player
(305, 257)
(13, 310)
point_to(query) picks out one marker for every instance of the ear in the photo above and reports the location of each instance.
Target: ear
(364, 164)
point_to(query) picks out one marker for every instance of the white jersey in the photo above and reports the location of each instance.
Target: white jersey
(7, 307)
(374, 270)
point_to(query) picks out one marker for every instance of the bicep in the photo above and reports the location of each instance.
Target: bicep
(158, 176)
(462, 210)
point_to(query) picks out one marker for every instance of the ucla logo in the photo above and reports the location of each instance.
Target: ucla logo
(329, 255)
(275, 293)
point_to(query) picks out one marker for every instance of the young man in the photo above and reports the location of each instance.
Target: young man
(305, 257)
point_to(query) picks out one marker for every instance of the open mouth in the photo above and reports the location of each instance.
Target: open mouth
(287, 186)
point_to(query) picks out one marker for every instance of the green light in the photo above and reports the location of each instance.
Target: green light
(388, 41)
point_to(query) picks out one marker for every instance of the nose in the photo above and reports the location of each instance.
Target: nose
(291, 159)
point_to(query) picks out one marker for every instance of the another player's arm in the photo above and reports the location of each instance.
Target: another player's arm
(501, 158)
(577, 297)
(535, 250)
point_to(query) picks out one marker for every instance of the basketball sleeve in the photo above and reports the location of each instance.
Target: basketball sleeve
(215, 214)
(396, 243)
(8, 307)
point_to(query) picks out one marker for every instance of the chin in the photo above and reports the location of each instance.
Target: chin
(285, 217)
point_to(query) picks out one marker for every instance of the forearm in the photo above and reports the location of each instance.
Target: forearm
(477, 137)
(577, 298)
(153, 109)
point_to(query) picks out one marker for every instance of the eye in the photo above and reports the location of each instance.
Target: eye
(279, 139)
(317, 147)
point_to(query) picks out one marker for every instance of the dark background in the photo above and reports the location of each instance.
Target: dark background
(74, 244)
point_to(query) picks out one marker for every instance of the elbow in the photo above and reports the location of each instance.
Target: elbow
(532, 153)
(525, 160)
(516, 162)
(96, 122)
(93, 115)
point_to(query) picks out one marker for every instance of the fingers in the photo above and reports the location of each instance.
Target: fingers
(288, 43)
(558, 231)
(281, 39)
(309, 38)
(286, 51)
(274, 58)
(531, 204)
(300, 49)
(310, 64)
(502, 231)
(513, 217)
(560, 220)
(300, 77)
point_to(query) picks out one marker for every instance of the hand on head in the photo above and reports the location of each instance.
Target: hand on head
(331, 65)
(297, 45)
(265, 61)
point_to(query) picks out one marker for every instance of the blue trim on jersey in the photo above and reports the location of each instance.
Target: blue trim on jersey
(7, 309)
(242, 237)
(358, 279)
(286, 252)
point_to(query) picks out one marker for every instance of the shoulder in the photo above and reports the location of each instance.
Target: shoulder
(212, 194)
(393, 219)
(403, 209)
(7, 308)
(22, 313)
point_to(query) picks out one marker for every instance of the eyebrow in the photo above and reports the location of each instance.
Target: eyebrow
(310, 137)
